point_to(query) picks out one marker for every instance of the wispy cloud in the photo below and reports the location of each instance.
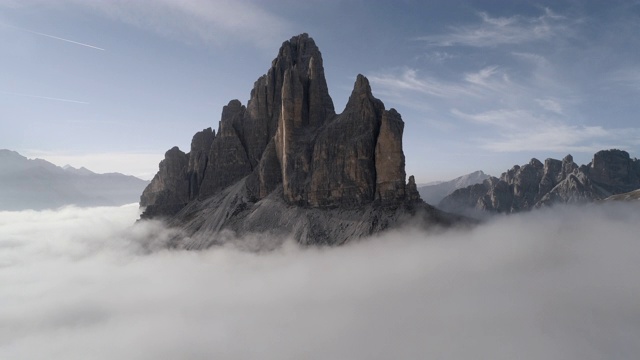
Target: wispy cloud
(209, 21)
(481, 77)
(550, 105)
(523, 130)
(555, 138)
(437, 56)
(44, 97)
(53, 37)
(408, 79)
(483, 83)
(526, 114)
(191, 21)
(495, 31)
(503, 119)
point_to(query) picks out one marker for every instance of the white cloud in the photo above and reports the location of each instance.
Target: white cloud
(212, 21)
(550, 105)
(512, 111)
(490, 83)
(558, 284)
(481, 77)
(496, 31)
(502, 119)
(517, 130)
(555, 138)
(437, 56)
(537, 60)
(209, 21)
(408, 80)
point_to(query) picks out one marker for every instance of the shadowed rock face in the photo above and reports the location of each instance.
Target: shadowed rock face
(228, 160)
(614, 168)
(344, 160)
(535, 185)
(168, 191)
(390, 160)
(290, 140)
(199, 160)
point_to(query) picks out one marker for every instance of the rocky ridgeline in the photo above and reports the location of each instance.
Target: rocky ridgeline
(289, 148)
(556, 181)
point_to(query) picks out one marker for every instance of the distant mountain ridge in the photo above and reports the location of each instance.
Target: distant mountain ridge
(38, 184)
(433, 193)
(81, 171)
(629, 196)
(536, 184)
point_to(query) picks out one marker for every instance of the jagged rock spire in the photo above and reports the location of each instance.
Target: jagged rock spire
(557, 181)
(290, 135)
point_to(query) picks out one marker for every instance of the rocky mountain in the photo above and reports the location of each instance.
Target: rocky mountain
(629, 196)
(288, 164)
(435, 192)
(556, 181)
(38, 184)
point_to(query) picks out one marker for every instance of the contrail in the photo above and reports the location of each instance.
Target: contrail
(55, 37)
(45, 97)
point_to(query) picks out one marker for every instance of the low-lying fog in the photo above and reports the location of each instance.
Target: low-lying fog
(553, 284)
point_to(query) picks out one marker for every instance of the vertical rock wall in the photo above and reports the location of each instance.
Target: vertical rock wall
(289, 135)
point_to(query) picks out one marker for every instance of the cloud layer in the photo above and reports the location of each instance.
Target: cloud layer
(215, 22)
(83, 283)
(496, 31)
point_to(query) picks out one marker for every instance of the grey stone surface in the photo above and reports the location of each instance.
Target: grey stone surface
(168, 191)
(287, 154)
(557, 181)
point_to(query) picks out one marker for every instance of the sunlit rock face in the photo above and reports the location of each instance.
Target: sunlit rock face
(289, 145)
(556, 181)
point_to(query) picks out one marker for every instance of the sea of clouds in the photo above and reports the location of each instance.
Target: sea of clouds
(560, 283)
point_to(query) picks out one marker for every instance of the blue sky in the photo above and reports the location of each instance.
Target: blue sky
(481, 85)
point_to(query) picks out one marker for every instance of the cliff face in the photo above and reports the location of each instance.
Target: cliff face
(168, 191)
(289, 140)
(556, 181)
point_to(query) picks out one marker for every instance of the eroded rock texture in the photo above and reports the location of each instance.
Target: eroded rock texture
(168, 191)
(199, 160)
(289, 140)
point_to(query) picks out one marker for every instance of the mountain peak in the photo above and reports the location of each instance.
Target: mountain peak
(433, 193)
(6, 153)
(362, 84)
(81, 171)
(288, 149)
(299, 52)
(535, 185)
